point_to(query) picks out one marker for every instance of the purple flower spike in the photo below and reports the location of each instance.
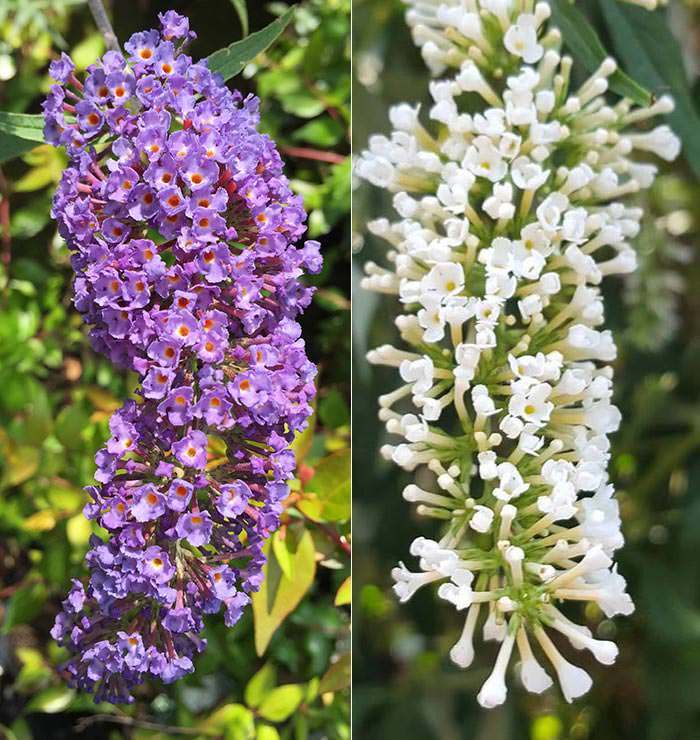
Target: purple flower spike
(204, 312)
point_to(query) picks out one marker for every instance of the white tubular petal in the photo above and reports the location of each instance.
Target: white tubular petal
(462, 652)
(574, 681)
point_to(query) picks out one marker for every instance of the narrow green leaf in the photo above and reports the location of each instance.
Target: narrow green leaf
(281, 702)
(242, 12)
(260, 685)
(29, 126)
(13, 146)
(644, 43)
(586, 48)
(19, 132)
(230, 61)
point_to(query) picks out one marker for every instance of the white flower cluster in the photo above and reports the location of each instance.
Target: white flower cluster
(508, 190)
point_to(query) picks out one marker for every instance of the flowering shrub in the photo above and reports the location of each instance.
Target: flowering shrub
(510, 219)
(181, 226)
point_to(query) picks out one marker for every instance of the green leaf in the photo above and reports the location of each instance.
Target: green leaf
(281, 702)
(323, 132)
(23, 606)
(333, 410)
(344, 594)
(260, 685)
(70, 423)
(29, 126)
(266, 732)
(234, 721)
(586, 48)
(21, 464)
(331, 486)
(12, 147)
(51, 701)
(303, 440)
(337, 677)
(242, 12)
(645, 44)
(301, 727)
(278, 595)
(303, 104)
(283, 546)
(19, 132)
(230, 61)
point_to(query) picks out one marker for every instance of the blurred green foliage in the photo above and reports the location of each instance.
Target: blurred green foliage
(56, 396)
(403, 682)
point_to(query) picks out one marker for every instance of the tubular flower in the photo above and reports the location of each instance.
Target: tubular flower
(182, 230)
(510, 193)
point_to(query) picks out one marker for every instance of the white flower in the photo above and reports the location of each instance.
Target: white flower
(510, 482)
(528, 175)
(532, 406)
(500, 203)
(482, 519)
(509, 217)
(419, 372)
(446, 278)
(521, 39)
(484, 160)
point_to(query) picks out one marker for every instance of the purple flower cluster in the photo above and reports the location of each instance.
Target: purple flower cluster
(182, 230)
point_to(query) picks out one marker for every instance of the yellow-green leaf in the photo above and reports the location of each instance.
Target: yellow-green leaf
(266, 732)
(303, 441)
(281, 702)
(51, 701)
(344, 595)
(283, 547)
(337, 677)
(78, 530)
(234, 721)
(21, 464)
(40, 521)
(260, 685)
(331, 486)
(279, 595)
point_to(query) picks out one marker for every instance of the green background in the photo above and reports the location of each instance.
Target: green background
(404, 685)
(56, 396)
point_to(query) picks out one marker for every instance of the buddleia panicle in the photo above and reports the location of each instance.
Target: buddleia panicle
(510, 192)
(182, 228)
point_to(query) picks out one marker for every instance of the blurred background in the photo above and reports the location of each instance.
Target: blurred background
(56, 396)
(403, 682)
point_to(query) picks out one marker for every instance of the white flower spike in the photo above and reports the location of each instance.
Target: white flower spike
(510, 216)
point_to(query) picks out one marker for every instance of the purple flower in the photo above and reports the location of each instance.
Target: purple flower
(192, 450)
(223, 582)
(175, 26)
(156, 565)
(195, 528)
(178, 405)
(203, 311)
(179, 495)
(61, 69)
(233, 499)
(149, 504)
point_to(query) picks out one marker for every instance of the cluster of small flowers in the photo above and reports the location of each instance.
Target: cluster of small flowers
(509, 222)
(182, 230)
